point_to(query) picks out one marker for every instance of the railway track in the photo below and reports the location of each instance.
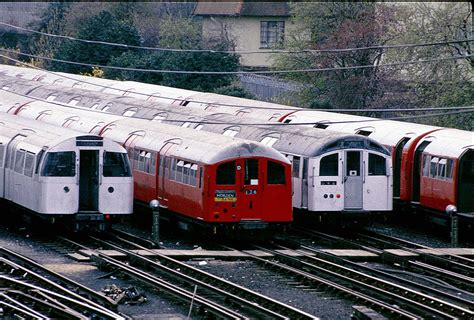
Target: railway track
(31, 291)
(205, 293)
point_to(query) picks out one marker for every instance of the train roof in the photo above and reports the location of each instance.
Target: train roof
(290, 139)
(38, 135)
(449, 142)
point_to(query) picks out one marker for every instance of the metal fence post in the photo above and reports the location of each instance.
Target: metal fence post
(155, 231)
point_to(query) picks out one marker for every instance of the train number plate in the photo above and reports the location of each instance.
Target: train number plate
(225, 196)
(250, 191)
(328, 183)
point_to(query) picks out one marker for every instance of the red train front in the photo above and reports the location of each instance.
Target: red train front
(211, 180)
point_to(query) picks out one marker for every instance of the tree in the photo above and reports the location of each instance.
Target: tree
(103, 27)
(339, 25)
(446, 83)
(185, 34)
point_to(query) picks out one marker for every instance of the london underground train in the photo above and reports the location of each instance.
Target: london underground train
(81, 181)
(218, 182)
(333, 173)
(400, 137)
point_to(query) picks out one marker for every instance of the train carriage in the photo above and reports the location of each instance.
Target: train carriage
(62, 175)
(401, 137)
(322, 182)
(212, 180)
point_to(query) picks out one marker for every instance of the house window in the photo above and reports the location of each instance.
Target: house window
(272, 34)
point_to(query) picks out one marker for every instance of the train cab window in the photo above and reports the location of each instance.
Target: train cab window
(275, 173)
(377, 165)
(116, 165)
(329, 165)
(434, 167)
(19, 161)
(225, 173)
(426, 166)
(251, 172)
(2, 154)
(193, 174)
(29, 164)
(59, 164)
(442, 169)
(296, 166)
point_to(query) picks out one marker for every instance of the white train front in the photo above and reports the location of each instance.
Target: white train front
(64, 176)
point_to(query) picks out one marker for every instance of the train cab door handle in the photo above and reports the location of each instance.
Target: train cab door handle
(312, 177)
(363, 171)
(100, 174)
(344, 179)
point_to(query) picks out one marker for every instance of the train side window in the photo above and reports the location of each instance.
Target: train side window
(59, 164)
(442, 169)
(225, 173)
(329, 165)
(275, 173)
(179, 171)
(434, 167)
(251, 172)
(377, 165)
(187, 173)
(147, 162)
(116, 165)
(173, 169)
(426, 165)
(449, 169)
(193, 174)
(19, 161)
(296, 166)
(2, 154)
(29, 164)
(166, 168)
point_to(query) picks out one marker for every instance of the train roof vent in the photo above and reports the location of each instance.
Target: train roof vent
(160, 116)
(364, 133)
(130, 112)
(321, 125)
(269, 140)
(52, 97)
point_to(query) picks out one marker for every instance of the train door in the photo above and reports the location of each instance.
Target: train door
(9, 165)
(417, 169)
(353, 180)
(163, 172)
(304, 185)
(465, 187)
(296, 179)
(88, 180)
(248, 188)
(397, 166)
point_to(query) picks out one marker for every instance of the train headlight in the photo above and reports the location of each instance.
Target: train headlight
(451, 209)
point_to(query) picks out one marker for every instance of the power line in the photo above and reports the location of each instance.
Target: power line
(242, 124)
(377, 47)
(237, 72)
(287, 108)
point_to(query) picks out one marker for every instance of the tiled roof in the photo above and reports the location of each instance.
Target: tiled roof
(242, 8)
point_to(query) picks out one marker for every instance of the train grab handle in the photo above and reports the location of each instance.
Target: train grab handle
(312, 177)
(363, 171)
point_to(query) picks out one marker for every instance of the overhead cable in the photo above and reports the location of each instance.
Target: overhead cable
(336, 50)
